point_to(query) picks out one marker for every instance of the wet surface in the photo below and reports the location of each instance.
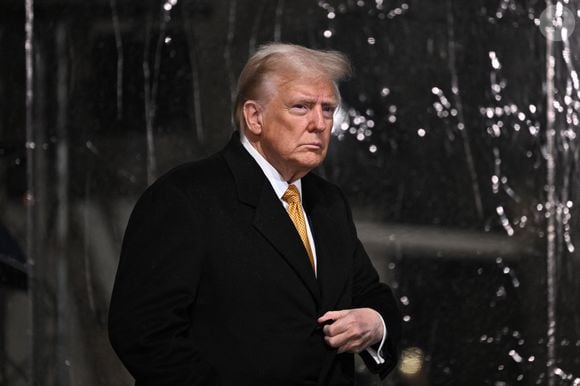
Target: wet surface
(456, 145)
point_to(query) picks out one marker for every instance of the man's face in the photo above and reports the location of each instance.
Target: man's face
(296, 125)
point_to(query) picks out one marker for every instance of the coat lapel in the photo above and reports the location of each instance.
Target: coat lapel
(332, 258)
(273, 222)
(270, 218)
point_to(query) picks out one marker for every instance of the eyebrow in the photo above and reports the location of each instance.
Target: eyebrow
(312, 100)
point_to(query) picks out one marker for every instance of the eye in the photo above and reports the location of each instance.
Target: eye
(328, 111)
(299, 108)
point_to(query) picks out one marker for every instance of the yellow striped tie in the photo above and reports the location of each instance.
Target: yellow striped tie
(292, 197)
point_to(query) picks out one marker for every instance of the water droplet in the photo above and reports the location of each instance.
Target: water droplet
(29, 198)
(501, 292)
(515, 356)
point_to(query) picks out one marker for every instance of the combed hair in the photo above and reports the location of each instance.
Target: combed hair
(279, 59)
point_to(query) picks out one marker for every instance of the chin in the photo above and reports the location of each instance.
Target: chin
(310, 164)
(307, 161)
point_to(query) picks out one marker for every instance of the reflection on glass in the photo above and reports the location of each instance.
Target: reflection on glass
(456, 144)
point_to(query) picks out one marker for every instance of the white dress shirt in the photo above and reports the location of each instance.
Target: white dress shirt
(280, 186)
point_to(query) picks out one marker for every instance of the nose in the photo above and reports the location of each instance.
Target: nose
(318, 123)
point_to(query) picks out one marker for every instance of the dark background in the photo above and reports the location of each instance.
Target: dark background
(442, 147)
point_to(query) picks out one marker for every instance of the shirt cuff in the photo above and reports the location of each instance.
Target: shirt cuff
(377, 355)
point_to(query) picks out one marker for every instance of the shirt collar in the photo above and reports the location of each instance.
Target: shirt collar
(275, 178)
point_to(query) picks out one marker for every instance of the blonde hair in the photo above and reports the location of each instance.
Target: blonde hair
(278, 60)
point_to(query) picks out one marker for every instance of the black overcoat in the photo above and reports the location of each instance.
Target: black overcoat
(214, 286)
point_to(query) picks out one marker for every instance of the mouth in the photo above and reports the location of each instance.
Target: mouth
(312, 146)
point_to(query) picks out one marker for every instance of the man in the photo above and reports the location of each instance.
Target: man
(226, 277)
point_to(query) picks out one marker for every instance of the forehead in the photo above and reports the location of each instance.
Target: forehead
(318, 88)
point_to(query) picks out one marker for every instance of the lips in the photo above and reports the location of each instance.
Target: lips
(315, 145)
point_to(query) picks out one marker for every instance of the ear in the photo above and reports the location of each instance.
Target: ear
(253, 117)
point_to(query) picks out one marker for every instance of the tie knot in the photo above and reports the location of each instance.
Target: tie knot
(291, 195)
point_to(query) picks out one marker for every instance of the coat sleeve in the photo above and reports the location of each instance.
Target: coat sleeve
(154, 290)
(368, 291)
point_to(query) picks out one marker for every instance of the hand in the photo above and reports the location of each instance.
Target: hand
(352, 330)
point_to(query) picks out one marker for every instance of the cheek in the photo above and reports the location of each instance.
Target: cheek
(283, 143)
(326, 137)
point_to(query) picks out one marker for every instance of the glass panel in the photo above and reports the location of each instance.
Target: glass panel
(462, 179)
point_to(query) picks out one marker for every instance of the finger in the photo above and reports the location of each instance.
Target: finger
(339, 334)
(332, 315)
(351, 347)
(353, 337)
(336, 341)
(339, 326)
(350, 343)
(343, 343)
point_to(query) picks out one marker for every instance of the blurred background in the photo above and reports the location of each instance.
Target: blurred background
(456, 145)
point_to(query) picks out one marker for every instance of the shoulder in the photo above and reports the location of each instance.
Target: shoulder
(322, 186)
(187, 183)
(319, 192)
(208, 173)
